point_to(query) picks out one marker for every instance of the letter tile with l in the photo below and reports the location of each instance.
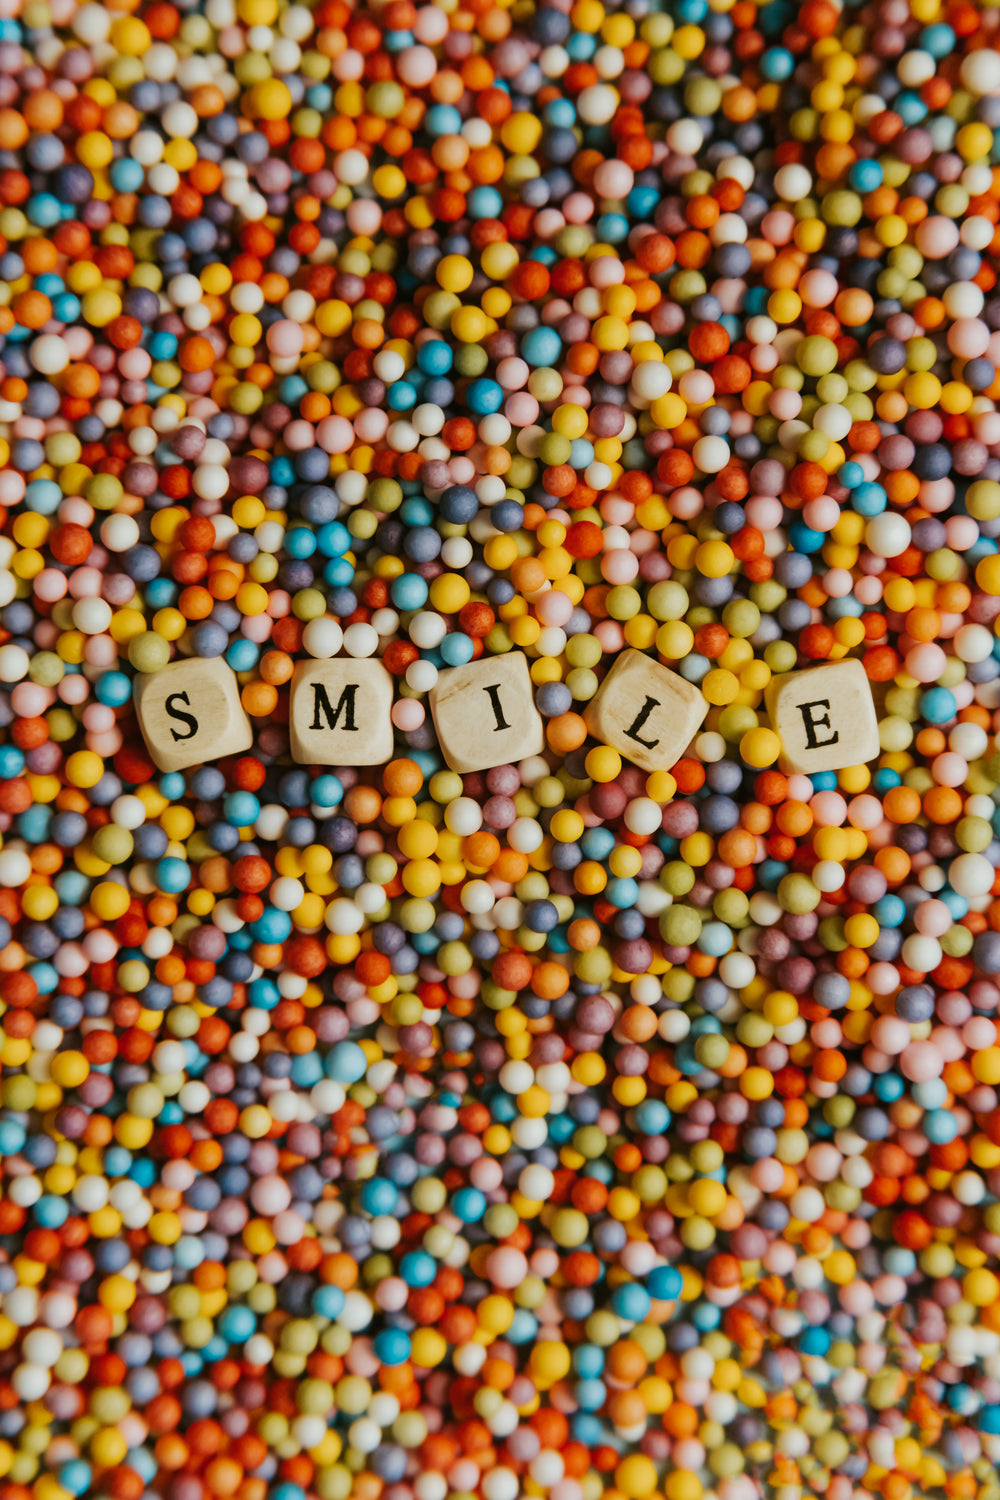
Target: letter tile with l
(646, 712)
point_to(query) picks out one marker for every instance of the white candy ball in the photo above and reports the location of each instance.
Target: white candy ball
(323, 638)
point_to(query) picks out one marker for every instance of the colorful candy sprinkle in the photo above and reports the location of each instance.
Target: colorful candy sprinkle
(612, 1121)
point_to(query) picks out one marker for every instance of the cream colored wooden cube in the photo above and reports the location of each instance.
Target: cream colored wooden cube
(190, 713)
(485, 713)
(340, 713)
(825, 716)
(648, 713)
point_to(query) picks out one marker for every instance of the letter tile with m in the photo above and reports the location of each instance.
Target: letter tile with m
(340, 713)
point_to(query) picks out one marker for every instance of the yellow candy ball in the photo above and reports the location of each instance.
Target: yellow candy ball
(69, 1069)
(760, 747)
(270, 100)
(454, 273)
(84, 768)
(861, 930)
(603, 763)
(714, 559)
(635, 1476)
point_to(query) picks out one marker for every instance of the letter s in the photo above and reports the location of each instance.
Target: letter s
(181, 716)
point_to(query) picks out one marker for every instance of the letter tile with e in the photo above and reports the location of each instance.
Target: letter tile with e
(485, 713)
(340, 713)
(190, 713)
(646, 712)
(825, 717)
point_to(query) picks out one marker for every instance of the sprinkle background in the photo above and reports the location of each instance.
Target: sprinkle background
(557, 1130)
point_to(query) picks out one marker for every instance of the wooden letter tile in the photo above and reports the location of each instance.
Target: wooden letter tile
(190, 713)
(340, 713)
(825, 717)
(485, 714)
(646, 712)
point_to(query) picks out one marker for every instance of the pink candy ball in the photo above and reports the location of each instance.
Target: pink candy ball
(620, 567)
(868, 590)
(890, 1035)
(882, 978)
(85, 583)
(349, 65)
(823, 1162)
(12, 487)
(257, 628)
(364, 216)
(335, 435)
(100, 651)
(921, 1061)
(75, 689)
(578, 208)
(270, 1195)
(610, 634)
(778, 226)
(613, 179)
(764, 512)
(100, 947)
(486, 1174)
(818, 288)
(926, 662)
(181, 1175)
(822, 514)
(785, 405)
(135, 364)
(418, 65)
(521, 409)
(548, 222)
(763, 358)
(76, 509)
(838, 583)
(828, 809)
(298, 436)
(285, 338)
(936, 237)
(686, 503)
(98, 717)
(949, 769)
(71, 960)
(617, 511)
(78, 341)
(932, 918)
(407, 714)
(606, 270)
(506, 1267)
(50, 585)
(968, 338)
(979, 1033)
(29, 699)
(697, 387)
(370, 425)
(767, 1175)
(962, 531)
(391, 1294)
(553, 608)
(512, 373)
(864, 811)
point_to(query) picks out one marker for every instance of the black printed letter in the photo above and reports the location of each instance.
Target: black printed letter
(494, 697)
(181, 716)
(822, 722)
(345, 702)
(639, 721)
